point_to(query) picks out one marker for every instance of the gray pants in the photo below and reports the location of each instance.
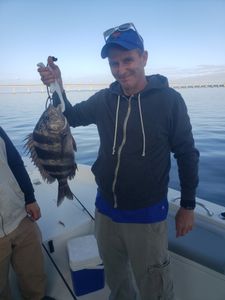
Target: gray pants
(142, 248)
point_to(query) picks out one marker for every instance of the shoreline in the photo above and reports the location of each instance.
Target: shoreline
(40, 88)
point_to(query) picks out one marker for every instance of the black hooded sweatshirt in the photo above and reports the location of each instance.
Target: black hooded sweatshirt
(137, 135)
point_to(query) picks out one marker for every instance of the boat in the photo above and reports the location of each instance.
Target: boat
(198, 259)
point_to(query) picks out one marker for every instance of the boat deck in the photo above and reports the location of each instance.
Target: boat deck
(197, 259)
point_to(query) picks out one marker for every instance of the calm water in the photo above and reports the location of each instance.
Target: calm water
(20, 112)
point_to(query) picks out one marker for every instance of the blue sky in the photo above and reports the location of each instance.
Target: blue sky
(184, 38)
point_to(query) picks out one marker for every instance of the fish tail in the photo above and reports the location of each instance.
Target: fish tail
(64, 191)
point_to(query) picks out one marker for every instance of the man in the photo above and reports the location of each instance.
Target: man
(140, 121)
(20, 238)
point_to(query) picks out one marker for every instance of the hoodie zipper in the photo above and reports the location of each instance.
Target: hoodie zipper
(120, 150)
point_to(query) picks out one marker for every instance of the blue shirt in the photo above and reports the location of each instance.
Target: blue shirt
(154, 213)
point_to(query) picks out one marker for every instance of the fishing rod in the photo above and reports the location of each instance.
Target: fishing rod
(59, 272)
(84, 208)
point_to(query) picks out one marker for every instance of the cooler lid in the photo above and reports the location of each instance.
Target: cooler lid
(83, 252)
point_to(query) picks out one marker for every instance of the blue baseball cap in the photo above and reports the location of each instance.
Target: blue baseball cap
(128, 39)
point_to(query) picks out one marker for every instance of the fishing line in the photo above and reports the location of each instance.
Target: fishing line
(49, 99)
(84, 208)
(52, 260)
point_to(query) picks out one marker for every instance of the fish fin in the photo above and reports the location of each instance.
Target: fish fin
(28, 141)
(73, 172)
(74, 144)
(30, 149)
(64, 191)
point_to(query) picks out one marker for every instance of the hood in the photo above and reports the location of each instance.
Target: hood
(156, 81)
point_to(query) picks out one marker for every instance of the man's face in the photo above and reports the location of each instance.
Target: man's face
(127, 67)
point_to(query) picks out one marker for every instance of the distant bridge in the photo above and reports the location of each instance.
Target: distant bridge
(188, 86)
(69, 87)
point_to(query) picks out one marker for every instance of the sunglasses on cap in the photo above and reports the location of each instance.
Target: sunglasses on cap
(123, 27)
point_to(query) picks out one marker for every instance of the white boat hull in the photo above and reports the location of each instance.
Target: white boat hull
(196, 276)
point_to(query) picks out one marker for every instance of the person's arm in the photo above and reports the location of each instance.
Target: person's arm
(81, 114)
(51, 73)
(184, 221)
(17, 167)
(33, 210)
(187, 156)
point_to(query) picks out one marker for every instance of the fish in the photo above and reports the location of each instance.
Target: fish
(52, 150)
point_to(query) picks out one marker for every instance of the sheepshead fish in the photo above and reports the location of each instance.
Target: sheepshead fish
(51, 147)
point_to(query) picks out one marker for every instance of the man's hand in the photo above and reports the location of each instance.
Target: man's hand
(184, 221)
(51, 73)
(33, 210)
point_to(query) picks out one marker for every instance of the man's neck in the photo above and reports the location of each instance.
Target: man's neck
(135, 90)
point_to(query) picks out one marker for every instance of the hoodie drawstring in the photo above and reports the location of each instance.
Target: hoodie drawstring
(124, 139)
(116, 125)
(142, 124)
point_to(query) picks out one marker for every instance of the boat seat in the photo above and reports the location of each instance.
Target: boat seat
(201, 245)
